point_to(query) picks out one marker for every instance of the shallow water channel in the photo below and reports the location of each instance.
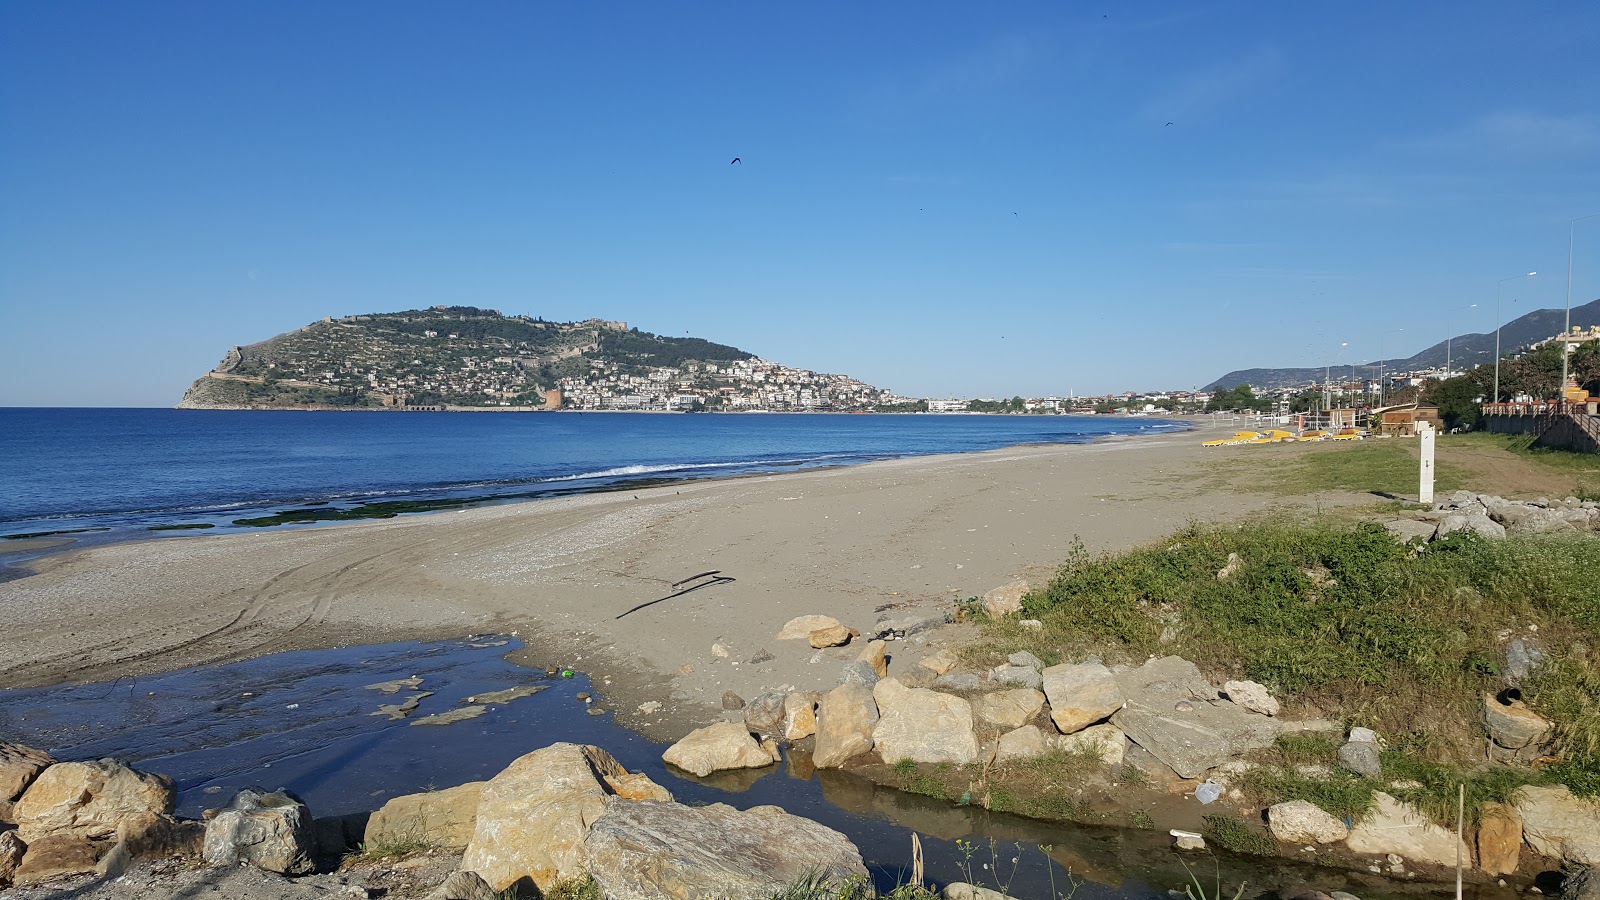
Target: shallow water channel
(304, 721)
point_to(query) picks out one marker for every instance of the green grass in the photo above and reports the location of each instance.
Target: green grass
(1338, 615)
(1522, 445)
(1231, 833)
(1437, 797)
(584, 888)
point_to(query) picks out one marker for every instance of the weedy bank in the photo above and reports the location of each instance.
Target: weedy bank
(1341, 621)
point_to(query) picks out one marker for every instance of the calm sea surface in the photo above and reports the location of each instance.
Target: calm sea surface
(128, 469)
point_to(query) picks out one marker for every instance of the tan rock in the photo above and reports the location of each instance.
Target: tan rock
(1513, 725)
(11, 848)
(1027, 742)
(831, 636)
(1499, 839)
(1402, 829)
(89, 799)
(1104, 740)
(270, 831)
(638, 787)
(462, 885)
(669, 851)
(19, 765)
(443, 819)
(845, 720)
(1303, 822)
(922, 725)
(1558, 825)
(716, 747)
(1008, 709)
(56, 855)
(877, 653)
(1006, 599)
(940, 663)
(534, 816)
(799, 715)
(800, 627)
(1081, 695)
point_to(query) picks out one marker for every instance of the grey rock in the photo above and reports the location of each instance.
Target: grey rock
(958, 681)
(648, 850)
(1582, 884)
(1482, 526)
(1193, 742)
(1363, 735)
(1017, 676)
(917, 677)
(761, 656)
(960, 890)
(905, 626)
(1187, 840)
(1024, 658)
(732, 701)
(1408, 530)
(269, 831)
(1303, 822)
(1362, 758)
(764, 714)
(1165, 681)
(462, 885)
(859, 671)
(1252, 696)
(1522, 659)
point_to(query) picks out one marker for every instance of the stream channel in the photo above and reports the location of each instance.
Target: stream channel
(304, 721)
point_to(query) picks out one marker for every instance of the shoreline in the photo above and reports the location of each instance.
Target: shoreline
(25, 547)
(891, 537)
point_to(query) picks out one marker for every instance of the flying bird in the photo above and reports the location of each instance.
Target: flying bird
(1169, 123)
(736, 160)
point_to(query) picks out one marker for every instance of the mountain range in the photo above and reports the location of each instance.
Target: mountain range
(1464, 351)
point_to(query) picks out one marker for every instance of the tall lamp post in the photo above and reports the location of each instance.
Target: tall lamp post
(1497, 287)
(1382, 342)
(1566, 329)
(1450, 326)
(1327, 379)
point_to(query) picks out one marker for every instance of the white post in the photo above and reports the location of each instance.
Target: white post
(1425, 436)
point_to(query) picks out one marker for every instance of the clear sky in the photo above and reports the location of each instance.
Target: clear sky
(948, 199)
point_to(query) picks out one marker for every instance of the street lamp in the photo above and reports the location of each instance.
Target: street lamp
(1381, 361)
(1497, 286)
(1450, 327)
(1327, 379)
(1566, 329)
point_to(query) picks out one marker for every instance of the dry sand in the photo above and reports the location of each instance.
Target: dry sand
(905, 535)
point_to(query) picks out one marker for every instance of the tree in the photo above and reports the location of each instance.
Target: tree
(1457, 399)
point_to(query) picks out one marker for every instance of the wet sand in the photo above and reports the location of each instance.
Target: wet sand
(887, 538)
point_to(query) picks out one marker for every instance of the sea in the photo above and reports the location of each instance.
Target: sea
(106, 474)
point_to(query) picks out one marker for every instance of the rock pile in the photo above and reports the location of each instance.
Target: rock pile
(1495, 517)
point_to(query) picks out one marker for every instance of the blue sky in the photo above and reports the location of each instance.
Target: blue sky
(942, 198)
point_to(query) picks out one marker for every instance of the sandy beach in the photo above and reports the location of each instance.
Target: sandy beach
(892, 537)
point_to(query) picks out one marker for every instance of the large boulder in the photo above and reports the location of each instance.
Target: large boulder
(58, 855)
(1173, 712)
(1558, 825)
(1005, 599)
(1081, 695)
(1499, 839)
(1362, 758)
(846, 718)
(1017, 676)
(1202, 737)
(646, 851)
(443, 819)
(1008, 709)
(1513, 725)
(19, 765)
(922, 725)
(534, 816)
(89, 799)
(1303, 822)
(720, 746)
(1401, 829)
(876, 654)
(269, 831)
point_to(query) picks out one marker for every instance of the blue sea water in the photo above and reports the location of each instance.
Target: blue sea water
(128, 469)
